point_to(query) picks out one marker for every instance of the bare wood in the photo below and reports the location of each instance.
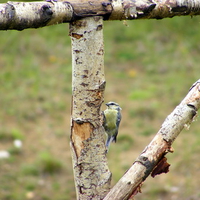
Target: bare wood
(22, 15)
(91, 173)
(152, 158)
(85, 8)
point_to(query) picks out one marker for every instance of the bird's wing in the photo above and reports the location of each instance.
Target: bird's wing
(119, 117)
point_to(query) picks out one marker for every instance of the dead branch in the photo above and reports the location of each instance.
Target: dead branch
(152, 159)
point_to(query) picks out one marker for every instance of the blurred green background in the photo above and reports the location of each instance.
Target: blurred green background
(149, 66)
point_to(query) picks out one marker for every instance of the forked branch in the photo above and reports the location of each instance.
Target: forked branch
(152, 160)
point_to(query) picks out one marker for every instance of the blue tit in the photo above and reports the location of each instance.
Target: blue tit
(111, 121)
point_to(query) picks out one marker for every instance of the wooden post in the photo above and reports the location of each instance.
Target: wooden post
(91, 173)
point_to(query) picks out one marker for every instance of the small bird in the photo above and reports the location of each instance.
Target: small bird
(111, 121)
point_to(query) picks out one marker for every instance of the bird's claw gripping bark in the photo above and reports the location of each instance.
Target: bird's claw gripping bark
(51, 1)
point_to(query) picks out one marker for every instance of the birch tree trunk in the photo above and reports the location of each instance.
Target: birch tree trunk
(91, 173)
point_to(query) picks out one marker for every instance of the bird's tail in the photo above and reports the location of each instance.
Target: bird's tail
(108, 141)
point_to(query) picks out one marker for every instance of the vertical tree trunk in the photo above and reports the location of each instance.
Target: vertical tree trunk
(91, 173)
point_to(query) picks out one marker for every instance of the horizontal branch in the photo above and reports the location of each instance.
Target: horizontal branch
(152, 159)
(23, 15)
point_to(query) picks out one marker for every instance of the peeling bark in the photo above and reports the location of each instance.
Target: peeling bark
(91, 173)
(22, 15)
(153, 156)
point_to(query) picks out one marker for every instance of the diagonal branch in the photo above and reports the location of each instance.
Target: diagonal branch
(152, 159)
(23, 15)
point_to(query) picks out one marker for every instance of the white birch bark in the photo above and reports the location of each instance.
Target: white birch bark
(22, 15)
(152, 159)
(91, 173)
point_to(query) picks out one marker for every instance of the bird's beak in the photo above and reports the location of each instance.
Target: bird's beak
(107, 104)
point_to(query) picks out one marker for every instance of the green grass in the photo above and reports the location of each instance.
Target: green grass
(10, 135)
(149, 68)
(49, 164)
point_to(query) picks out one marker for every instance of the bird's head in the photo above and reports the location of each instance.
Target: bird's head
(113, 105)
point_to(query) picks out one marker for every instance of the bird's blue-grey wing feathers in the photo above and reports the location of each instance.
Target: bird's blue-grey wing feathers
(119, 116)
